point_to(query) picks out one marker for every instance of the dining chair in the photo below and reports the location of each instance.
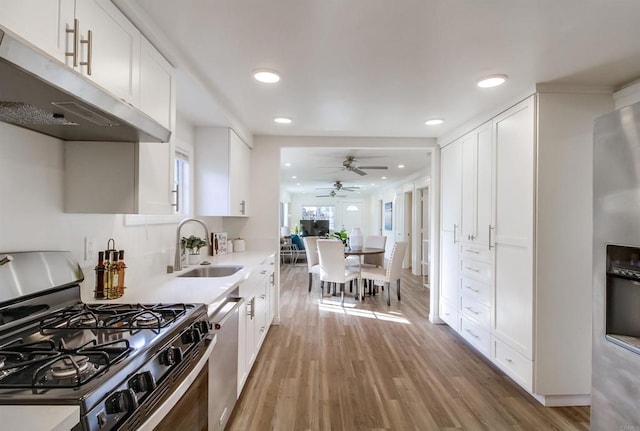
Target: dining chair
(313, 261)
(391, 273)
(373, 260)
(332, 265)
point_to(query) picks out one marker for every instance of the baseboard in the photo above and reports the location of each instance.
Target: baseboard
(563, 400)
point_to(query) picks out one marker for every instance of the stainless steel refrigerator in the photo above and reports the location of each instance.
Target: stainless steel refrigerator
(615, 403)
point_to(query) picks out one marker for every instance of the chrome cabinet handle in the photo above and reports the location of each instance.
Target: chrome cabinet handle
(89, 42)
(472, 289)
(490, 229)
(455, 227)
(472, 251)
(177, 203)
(243, 205)
(472, 334)
(74, 52)
(509, 360)
(472, 310)
(472, 269)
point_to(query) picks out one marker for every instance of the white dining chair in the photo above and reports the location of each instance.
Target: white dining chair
(313, 261)
(392, 271)
(332, 266)
(373, 260)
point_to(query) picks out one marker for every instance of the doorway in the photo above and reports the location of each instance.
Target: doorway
(408, 228)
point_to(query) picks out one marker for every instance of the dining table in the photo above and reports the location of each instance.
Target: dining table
(361, 252)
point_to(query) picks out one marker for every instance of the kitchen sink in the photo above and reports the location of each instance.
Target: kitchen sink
(213, 271)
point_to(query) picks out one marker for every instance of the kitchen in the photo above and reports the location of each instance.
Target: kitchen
(33, 193)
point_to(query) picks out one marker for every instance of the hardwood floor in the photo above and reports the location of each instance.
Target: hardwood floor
(368, 366)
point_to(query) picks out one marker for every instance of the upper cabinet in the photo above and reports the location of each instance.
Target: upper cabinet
(223, 166)
(91, 36)
(96, 40)
(107, 47)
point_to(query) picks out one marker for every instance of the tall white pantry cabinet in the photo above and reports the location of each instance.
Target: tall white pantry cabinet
(516, 239)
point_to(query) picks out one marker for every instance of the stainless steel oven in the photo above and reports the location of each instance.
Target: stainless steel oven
(124, 365)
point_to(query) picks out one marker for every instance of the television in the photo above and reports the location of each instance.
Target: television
(314, 227)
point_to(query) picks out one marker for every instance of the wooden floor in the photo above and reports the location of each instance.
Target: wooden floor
(368, 366)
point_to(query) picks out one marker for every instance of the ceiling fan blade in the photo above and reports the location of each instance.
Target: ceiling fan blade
(373, 167)
(357, 171)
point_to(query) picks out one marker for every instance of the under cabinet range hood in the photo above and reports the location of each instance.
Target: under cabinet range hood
(40, 93)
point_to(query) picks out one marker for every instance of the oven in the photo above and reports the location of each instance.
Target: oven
(127, 366)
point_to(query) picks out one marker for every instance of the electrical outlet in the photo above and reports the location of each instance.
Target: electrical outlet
(89, 248)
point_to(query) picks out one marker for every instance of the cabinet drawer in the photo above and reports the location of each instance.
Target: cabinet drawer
(449, 314)
(475, 252)
(475, 269)
(480, 292)
(477, 335)
(476, 311)
(513, 363)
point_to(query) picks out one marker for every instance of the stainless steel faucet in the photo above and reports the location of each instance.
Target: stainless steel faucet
(177, 264)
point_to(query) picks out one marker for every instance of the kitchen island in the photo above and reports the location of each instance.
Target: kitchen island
(163, 288)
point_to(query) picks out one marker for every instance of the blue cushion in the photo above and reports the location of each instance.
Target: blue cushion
(295, 239)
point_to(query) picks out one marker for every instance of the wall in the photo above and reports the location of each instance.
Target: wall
(31, 215)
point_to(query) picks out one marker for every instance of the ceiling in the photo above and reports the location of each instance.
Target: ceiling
(317, 169)
(380, 68)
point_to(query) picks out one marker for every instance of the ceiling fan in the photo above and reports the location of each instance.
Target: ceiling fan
(337, 186)
(332, 194)
(349, 165)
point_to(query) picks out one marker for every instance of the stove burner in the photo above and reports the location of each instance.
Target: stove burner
(147, 319)
(69, 366)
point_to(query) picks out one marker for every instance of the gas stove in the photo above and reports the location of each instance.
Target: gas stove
(115, 361)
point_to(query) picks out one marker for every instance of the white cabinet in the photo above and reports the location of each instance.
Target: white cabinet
(157, 86)
(43, 23)
(117, 178)
(515, 151)
(256, 317)
(109, 48)
(524, 293)
(477, 171)
(223, 166)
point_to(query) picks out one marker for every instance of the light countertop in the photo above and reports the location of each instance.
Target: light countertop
(163, 288)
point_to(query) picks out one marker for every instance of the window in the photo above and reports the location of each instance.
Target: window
(181, 187)
(319, 213)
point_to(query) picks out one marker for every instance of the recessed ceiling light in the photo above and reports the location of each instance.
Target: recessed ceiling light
(282, 120)
(492, 81)
(384, 178)
(434, 122)
(373, 184)
(401, 166)
(266, 76)
(297, 184)
(287, 164)
(293, 177)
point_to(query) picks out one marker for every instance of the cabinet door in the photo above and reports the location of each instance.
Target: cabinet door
(239, 175)
(484, 190)
(157, 85)
(450, 169)
(514, 191)
(449, 278)
(243, 357)
(469, 150)
(43, 23)
(114, 48)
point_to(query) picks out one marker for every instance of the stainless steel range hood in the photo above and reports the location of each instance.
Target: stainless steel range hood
(40, 93)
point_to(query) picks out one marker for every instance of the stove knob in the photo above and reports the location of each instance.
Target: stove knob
(171, 356)
(122, 402)
(142, 382)
(204, 326)
(191, 336)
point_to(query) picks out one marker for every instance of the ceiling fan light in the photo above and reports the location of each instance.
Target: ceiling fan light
(266, 76)
(492, 81)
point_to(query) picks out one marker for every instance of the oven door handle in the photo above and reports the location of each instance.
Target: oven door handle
(226, 311)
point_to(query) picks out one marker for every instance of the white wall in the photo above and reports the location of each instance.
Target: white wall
(31, 215)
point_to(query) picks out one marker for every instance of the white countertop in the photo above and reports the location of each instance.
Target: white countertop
(164, 288)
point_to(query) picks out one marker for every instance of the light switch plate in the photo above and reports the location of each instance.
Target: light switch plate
(89, 248)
